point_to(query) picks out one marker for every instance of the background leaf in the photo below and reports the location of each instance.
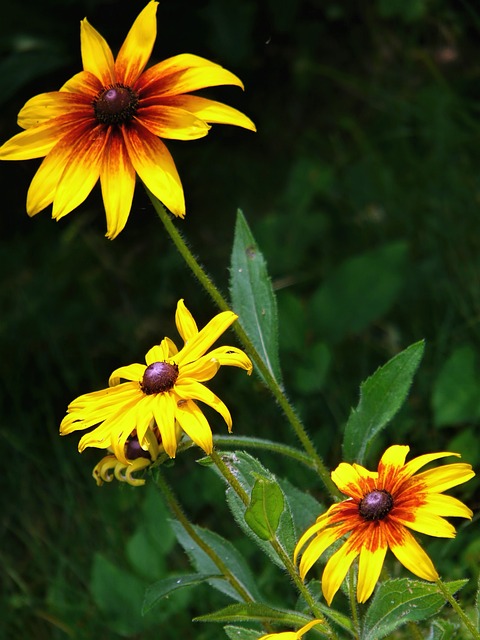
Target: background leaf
(381, 396)
(398, 601)
(252, 296)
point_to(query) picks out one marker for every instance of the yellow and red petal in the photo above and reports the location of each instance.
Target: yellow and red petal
(336, 569)
(164, 412)
(133, 372)
(394, 456)
(171, 122)
(97, 56)
(369, 568)
(210, 110)
(46, 106)
(155, 166)
(195, 425)
(137, 47)
(85, 84)
(445, 477)
(210, 333)
(426, 522)
(446, 506)
(411, 555)
(182, 74)
(315, 549)
(190, 389)
(350, 479)
(185, 323)
(117, 180)
(420, 461)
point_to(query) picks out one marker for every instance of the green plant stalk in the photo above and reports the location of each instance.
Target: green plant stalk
(177, 511)
(288, 564)
(272, 384)
(458, 609)
(353, 601)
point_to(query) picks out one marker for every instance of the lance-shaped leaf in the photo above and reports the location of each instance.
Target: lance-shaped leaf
(403, 600)
(252, 296)
(163, 588)
(265, 508)
(381, 396)
(241, 633)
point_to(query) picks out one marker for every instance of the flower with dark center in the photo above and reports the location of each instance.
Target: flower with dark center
(381, 507)
(106, 123)
(158, 400)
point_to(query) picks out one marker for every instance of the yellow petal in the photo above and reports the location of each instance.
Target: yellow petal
(202, 369)
(320, 523)
(189, 389)
(182, 74)
(195, 425)
(117, 179)
(230, 357)
(429, 523)
(211, 111)
(171, 122)
(46, 106)
(450, 475)
(186, 325)
(314, 550)
(85, 84)
(137, 465)
(420, 461)
(36, 142)
(369, 569)
(154, 164)
(97, 56)
(336, 569)
(137, 47)
(133, 372)
(164, 410)
(80, 173)
(200, 343)
(395, 456)
(446, 506)
(349, 479)
(159, 352)
(413, 557)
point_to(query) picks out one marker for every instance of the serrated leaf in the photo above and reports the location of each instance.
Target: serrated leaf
(163, 588)
(225, 550)
(242, 633)
(247, 469)
(252, 296)
(381, 396)
(265, 509)
(403, 600)
(255, 612)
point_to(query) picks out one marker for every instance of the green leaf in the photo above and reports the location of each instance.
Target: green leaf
(255, 611)
(381, 396)
(242, 633)
(455, 395)
(163, 588)
(403, 600)
(265, 508)
(443, 630)
(226, 552)
(252, 296)
(247, 470)
(359, 291)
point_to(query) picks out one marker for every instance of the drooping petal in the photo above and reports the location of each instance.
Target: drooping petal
(185, 323)
(133, 372)
(117, 179)
(81, 172)
(224, 356)
(36, 142)
(190, 389)
(195, 425)
(200, 343)
(182, 74)
(164, 411)
(97, 56)
(137, 47)
(171, 122)
(369, 569)
(209, 110)
(315, 549)
(154, 164)
(336, 569)
(412, 556)
(202, 369)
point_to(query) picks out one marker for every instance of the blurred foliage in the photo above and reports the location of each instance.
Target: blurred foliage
(362, 189)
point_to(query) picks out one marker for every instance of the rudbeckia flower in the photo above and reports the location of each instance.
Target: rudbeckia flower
(106, 121)
(292, 635)
(159, 399)
(382, 506)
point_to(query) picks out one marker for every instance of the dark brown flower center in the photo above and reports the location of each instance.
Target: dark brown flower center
(115, 105)
(376, 505)
(134, 450)
(159, 377)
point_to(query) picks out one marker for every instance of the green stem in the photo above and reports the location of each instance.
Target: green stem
(177, 511)
(353, 601)
(458, 609)
(230, 478)
(269, 379)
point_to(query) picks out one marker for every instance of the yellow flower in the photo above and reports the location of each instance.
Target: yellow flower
(109, 467)
(106, 121)
(291, 635)
(159, 398)
(382, 506)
